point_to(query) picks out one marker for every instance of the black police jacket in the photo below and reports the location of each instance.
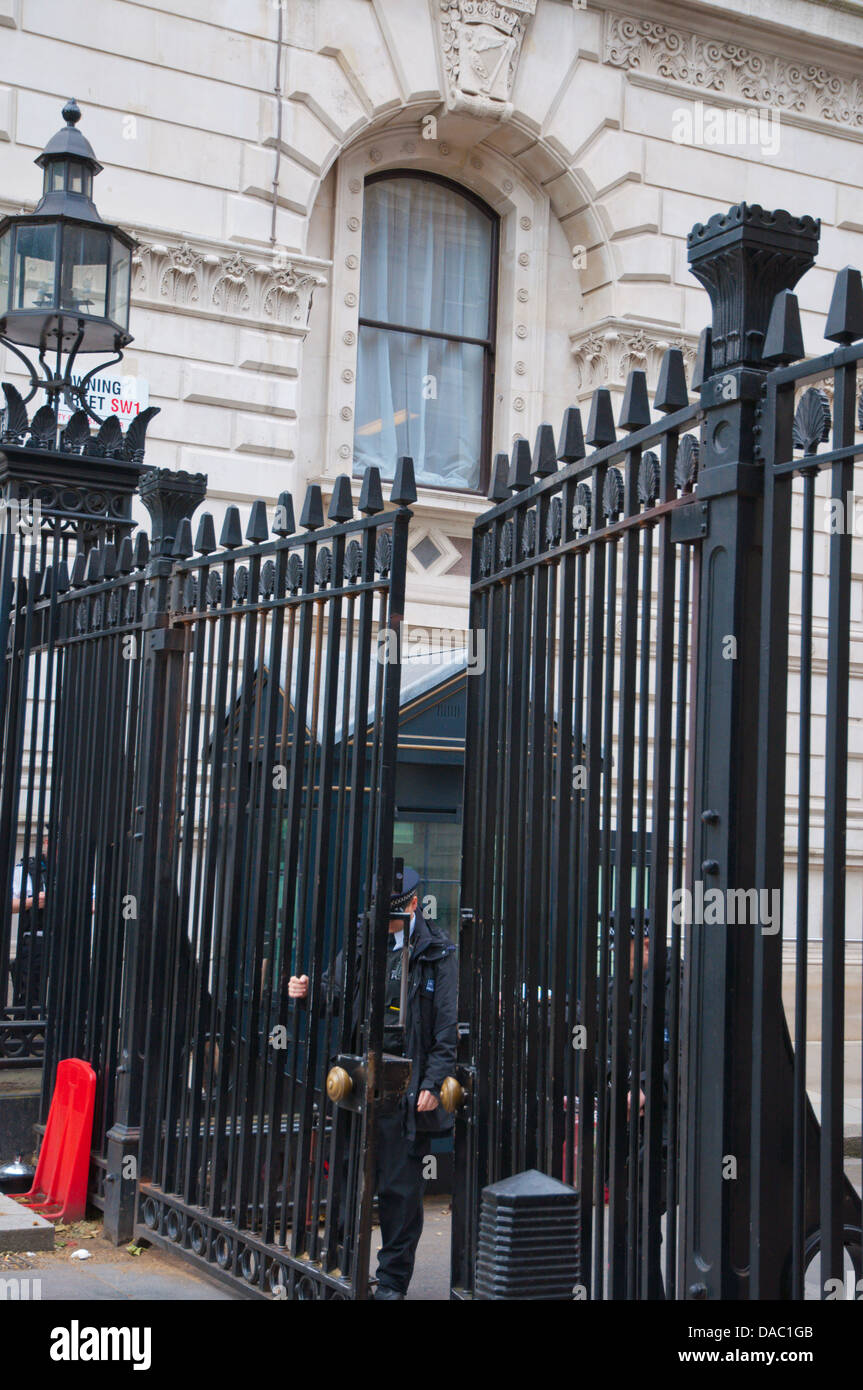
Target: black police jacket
(431, 1031)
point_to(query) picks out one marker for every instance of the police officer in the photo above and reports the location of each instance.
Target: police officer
(430, 1041)
(29, 882)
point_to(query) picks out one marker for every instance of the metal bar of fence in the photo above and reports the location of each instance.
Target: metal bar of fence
(767, 1250)
(835, 845)
(800, 1158)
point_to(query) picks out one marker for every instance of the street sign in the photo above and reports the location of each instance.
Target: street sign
(124, 396)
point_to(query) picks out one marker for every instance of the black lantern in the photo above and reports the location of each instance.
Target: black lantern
(65, 275)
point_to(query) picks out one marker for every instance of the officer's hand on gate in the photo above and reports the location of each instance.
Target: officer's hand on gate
(298, 986)
(427, 1101)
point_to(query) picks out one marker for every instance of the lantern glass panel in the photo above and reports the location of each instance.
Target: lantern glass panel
(55, 177)
(35, 266)
(77, 180)
(84, 273)
(5, 267)
(120, 270)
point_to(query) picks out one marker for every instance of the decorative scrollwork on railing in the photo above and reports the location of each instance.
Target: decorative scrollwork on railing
(76, 437)
(648, 479)
(353, 560)
(295, 573)
(528, 535)
(486, 554)
(383, 554)
(554, 522)
(811, 421)
(214, 589)
(686, 463)
(323, 567)
(241, 584)
(612, 494)
(583, 510)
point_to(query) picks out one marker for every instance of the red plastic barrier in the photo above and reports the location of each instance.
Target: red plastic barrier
(59, 1190)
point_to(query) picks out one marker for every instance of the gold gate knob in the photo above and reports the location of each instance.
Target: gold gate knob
(452, 1095)
(339, 1084)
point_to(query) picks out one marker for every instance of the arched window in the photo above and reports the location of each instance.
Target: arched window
(425, 363)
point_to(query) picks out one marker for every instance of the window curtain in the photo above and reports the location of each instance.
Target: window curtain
(425, 265)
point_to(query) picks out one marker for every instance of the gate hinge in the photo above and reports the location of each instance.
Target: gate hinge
(690, 523)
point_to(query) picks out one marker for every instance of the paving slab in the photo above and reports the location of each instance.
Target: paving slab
(22, 1229)
(110, 1275)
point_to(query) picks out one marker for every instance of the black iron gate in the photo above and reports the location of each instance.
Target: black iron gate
(278, 862)
(630, 743)
(575, 799)
(208, 732)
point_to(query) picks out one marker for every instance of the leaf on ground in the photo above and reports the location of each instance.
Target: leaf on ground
(134, 1249)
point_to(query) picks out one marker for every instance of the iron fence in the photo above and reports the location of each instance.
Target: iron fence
(647, 741)
(276, 861)
(575, 827)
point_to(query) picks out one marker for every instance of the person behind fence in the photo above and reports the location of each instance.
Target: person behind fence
(638, 1012)
(430, 1041)
(28, 900)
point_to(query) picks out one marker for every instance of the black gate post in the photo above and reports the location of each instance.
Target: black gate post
(151, 896)
(744, 258)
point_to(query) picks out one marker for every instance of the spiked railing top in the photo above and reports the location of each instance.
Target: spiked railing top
(283, 521)
(205, 541)
(312, 515)
(515, 475)
(341, 506)
(499, 489)
(404, 489)
(371, 494)
(845, 315)
(258, 528)
(231, 537)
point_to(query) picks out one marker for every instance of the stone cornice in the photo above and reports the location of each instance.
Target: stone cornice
(228, 284)
(727, 71)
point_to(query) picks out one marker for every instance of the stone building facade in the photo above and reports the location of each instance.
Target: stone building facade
(238, 142)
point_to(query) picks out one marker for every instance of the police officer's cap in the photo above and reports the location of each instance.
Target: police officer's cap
(404, 892)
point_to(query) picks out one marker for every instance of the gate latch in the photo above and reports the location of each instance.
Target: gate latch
(347, 1082)
(457, 1090)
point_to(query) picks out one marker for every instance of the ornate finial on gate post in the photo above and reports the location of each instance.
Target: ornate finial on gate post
(169, 497)
(744, 257)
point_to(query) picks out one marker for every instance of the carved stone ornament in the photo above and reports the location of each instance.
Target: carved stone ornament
(605, 354)
(481, 42)
(666, 53)
(276, 293)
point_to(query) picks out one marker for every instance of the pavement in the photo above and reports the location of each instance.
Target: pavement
(111, 1274)
(23, 1229)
